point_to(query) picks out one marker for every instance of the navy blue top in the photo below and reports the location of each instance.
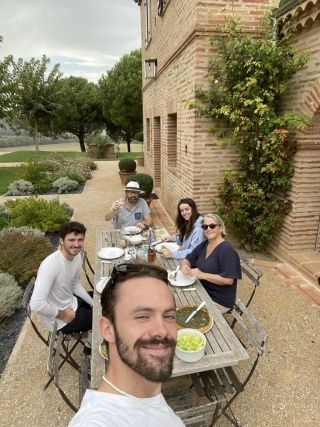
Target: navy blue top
(223, 260)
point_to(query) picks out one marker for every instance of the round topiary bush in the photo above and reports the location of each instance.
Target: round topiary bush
(145, 181)
(127, 165)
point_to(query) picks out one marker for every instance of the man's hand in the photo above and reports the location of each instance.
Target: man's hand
(66, 315)
(116, 205)
(140, 225)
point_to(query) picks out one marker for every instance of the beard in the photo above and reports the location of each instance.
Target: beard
(133, 199)
(152, 368)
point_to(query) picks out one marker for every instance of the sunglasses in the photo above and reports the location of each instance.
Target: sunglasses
(120, 271)
(212, 226)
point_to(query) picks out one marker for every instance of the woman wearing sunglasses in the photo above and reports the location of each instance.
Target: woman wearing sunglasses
(215, 263)
(188, 223)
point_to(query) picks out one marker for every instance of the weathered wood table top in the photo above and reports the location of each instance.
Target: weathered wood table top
(223, 347)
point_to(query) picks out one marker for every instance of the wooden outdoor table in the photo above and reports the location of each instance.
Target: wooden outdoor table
(223, 347)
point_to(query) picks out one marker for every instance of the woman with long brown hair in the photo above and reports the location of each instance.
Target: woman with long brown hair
(189, 231)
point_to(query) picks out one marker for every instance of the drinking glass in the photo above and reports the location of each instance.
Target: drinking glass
(121, 201)
(131, 250)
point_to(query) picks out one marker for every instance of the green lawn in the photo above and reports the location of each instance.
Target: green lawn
(25, 156)
(6, 176)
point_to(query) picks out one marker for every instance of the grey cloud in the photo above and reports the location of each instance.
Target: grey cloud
(92, 35)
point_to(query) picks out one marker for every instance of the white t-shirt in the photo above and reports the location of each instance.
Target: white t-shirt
(99, 409)
(57, 283)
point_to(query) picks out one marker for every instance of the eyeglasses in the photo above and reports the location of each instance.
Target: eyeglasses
(212, 226)
(120, 271)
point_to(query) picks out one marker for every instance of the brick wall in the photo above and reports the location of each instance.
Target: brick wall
(181, 46)
(300, 231)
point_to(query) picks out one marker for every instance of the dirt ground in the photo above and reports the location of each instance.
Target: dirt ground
(284, 390)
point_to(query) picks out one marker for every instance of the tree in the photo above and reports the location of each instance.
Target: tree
(34, 96)
(121, 95)
(81, 111)
(246, 82)
(4, 86)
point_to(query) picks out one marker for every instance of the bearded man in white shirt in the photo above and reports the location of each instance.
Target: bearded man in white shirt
(139, 325)
(58, 295)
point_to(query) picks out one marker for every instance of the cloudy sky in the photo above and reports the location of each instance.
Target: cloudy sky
(86, 37)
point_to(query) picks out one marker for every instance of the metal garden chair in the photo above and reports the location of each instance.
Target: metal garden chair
(61, 347)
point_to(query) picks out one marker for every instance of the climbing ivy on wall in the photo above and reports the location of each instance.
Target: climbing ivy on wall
(247, 78)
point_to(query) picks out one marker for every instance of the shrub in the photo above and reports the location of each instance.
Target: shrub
(10, 295)
(26, 231)
(145, 181)
(64, 185)
(99, 140)
(43, 173)
(38, 173)
(48, 216)
(21, 254)
(85, 161)
(20, 188)
(127, 165)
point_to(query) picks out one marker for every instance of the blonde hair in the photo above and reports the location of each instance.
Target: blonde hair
(217, 220)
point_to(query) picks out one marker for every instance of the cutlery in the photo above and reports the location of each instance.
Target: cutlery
(183, 290)
(196, 311)
(174, 273)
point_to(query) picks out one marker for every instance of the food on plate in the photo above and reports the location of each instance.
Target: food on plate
(201, 320)
(190, 342)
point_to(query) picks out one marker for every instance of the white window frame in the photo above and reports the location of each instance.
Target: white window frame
(147, 20)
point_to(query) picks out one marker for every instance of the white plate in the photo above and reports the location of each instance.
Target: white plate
(101, 284)
(181, 280)
(136, 240)
(132, 229)
(172, 246)
(110, 253)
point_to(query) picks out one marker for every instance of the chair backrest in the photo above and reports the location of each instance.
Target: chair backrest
(252, 273)
(250, 326)
(27, 295)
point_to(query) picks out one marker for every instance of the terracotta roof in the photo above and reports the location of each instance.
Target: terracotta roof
(304, 12)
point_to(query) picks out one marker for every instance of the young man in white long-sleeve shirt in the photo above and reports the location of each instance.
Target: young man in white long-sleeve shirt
(58, 295)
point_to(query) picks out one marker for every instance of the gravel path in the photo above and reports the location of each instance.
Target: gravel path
(284, 390)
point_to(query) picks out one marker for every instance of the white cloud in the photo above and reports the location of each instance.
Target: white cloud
(85, 36)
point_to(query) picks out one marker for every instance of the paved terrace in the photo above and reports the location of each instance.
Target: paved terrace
(285, 387)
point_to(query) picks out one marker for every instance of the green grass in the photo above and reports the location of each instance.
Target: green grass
(26, 156)
(7, 175)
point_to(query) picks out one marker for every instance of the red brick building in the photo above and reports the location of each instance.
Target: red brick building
(182, 156)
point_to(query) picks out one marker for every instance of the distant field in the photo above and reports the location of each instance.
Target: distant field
(71, 146)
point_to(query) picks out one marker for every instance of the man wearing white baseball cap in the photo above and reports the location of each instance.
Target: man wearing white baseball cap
(133, 210)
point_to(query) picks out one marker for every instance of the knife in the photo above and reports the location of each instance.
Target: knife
(196, 311)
